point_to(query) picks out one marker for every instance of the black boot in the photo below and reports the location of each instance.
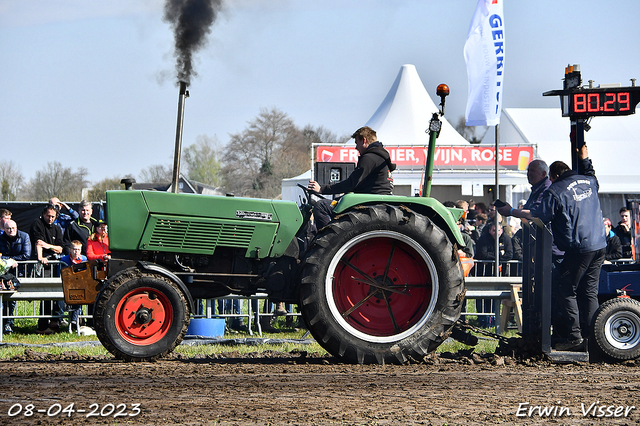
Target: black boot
(265, 325)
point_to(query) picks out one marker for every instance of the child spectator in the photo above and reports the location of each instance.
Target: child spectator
(73, 258)
(98, 243)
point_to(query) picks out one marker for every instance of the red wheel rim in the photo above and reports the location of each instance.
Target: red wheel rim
(144, 316)
(378, 306)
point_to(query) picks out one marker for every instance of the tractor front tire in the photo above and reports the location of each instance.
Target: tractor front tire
(381, 284)
(141, 316)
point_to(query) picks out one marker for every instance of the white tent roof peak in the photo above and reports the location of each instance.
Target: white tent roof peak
(404, 114)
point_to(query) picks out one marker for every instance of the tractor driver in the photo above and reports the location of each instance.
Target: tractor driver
(372, 175)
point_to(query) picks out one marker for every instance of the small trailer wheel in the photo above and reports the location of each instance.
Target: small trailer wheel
(616, 328)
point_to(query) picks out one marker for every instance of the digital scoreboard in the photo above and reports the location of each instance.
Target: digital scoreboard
(584, 102)
(603, 102)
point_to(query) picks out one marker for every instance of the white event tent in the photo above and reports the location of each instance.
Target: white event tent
(404, 114)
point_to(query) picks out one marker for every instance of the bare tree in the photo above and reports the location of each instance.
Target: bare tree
(11, 180)
(469, 132)
(57, 181)
(240, 166)
(156, 173)
(322, 135)
(294, 155)
(269, 149)
(201, 163)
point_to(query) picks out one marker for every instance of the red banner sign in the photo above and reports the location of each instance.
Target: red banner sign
(454, 157)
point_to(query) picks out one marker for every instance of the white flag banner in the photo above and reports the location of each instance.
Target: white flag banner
(484, 55)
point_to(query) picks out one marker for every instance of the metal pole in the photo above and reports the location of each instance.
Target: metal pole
(176, 157)
(577, 141)
(497, 221)
(435, 125)
(428, 178)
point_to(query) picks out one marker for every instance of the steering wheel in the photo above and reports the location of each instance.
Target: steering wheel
(309, 192)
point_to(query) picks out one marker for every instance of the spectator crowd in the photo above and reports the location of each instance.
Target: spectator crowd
(59, 238)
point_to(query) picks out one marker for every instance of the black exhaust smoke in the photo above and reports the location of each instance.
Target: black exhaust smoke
(191, 21)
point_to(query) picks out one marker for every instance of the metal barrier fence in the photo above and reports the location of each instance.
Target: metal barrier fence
(39, 285)
(485, 268)
(488, 290)
(252, 310)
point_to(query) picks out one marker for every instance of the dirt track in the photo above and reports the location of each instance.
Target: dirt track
(292, 389)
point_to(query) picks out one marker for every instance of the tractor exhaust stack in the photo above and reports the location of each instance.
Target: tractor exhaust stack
(184, 93)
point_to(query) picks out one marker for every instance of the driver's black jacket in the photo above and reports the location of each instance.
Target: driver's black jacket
(371, 175)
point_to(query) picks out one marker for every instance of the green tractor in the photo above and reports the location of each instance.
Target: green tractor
(382, 283)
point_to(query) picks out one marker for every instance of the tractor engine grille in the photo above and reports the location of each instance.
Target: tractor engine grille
(188, 235)
(178, 235)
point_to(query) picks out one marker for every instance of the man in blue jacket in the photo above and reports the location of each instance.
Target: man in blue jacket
(63, 220)
(14, 244)
(572, 207)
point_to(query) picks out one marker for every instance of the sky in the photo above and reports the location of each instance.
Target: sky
(92, 83)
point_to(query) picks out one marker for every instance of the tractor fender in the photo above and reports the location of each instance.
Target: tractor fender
(446, 218)
(153, 267)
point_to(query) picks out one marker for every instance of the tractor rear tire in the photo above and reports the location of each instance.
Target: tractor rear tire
(381, 284)
(616, 328)
(141, 316)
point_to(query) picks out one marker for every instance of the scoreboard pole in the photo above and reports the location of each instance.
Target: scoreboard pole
(577, 141)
